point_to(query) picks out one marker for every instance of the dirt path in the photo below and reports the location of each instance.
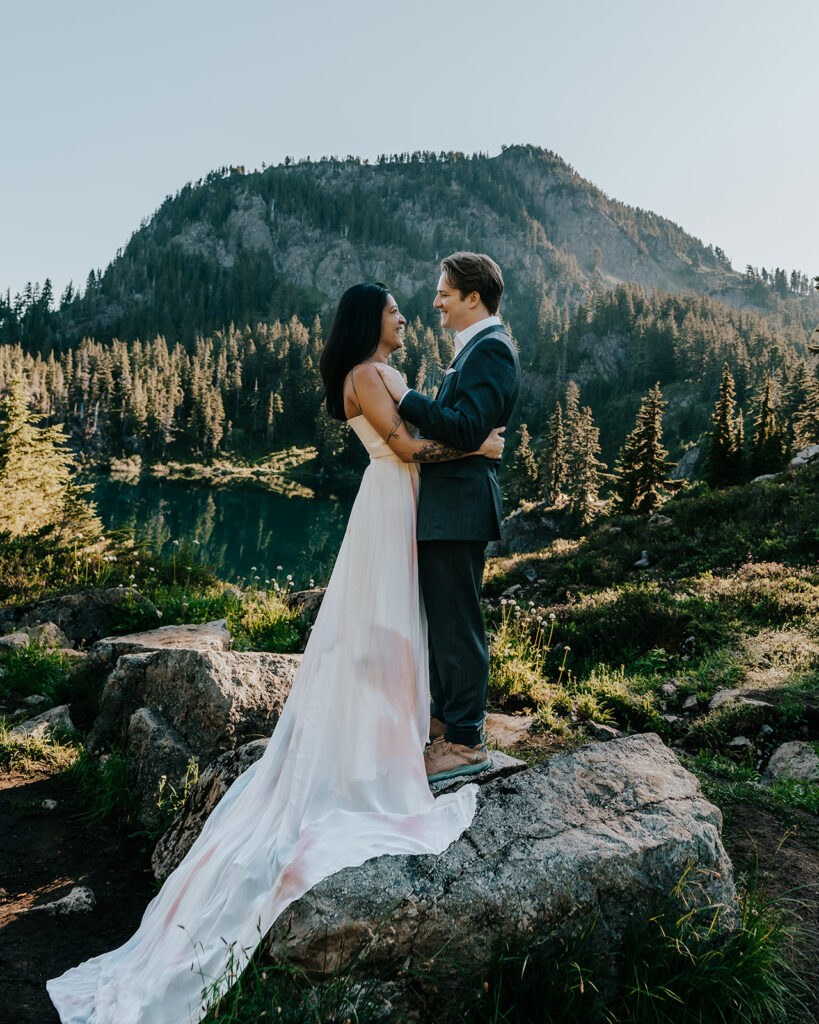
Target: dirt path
(42, 855)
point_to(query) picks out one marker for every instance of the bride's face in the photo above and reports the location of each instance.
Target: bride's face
(392, 326)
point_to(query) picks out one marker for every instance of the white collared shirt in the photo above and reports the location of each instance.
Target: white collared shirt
(465, 336)
(468, 333)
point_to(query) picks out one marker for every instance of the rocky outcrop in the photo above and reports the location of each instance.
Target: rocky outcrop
(507, 730)
(83, 617)
(604, 832)
(212, 785)
(219, 776)
(531, 527)
(806, 457)
(215, 700)
(207, 636)
(156, 752)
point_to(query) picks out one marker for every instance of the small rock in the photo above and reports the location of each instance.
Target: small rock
(739, 743)
(49, 634)
(764, 476)
(601, 731)
(511, 591)
(530, 575)
(49, 805)
(722, 697)
(14, 641)
(34, 698)
(672, 719)
(765, 730)
(507, 730)
(80, 900)
(307, 602)
(669, 690)
(48, 724)
(614, 530)
(642, 562)
(659, 520)
(793, 760)
(690, 702)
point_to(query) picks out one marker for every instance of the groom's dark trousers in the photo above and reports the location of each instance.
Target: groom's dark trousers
(459, 512)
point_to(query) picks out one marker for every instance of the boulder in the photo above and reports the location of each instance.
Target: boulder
(156, 751)
(659, 520)
(531, 527)
(642, 562)
(211, 786)
(51, 723)
(793, 760)
(84, 616)
(805, 457)
(206, 636)
(765, 476)
(507, 730)
(49, 634)
(686, 467)
(14, 641)
(215, 700)
(216, 779)
(307, 602)
(603, 833)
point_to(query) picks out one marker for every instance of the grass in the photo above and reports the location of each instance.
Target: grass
(680, 967)
(27, 754)
(36, 668)
(101, 786)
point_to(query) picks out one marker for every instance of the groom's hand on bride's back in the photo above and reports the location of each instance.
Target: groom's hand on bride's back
(393, 380)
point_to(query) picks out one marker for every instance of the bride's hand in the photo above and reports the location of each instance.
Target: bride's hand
(492, 448)
(393, 380)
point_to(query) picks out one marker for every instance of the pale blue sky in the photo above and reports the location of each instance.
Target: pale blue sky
(704, 111)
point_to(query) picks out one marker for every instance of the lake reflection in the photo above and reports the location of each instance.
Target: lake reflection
(237, 526)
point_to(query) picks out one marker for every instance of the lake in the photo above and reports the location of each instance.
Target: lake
(237, 526)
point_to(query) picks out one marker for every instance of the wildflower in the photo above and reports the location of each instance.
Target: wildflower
(151, 569)
(253, 568)
(196, 542)
(159, 613)
(531, 604)
(312, 583)
(176, 543)
(289, 578)
(512, 601)
(278, 568)
(503, 600)
(77, 536)
(551, 615)
(132, 577)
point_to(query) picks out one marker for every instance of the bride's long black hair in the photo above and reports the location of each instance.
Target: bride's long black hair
(353, 338)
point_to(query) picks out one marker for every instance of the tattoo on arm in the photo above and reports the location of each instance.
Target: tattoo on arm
(435, 451)
(397, 423)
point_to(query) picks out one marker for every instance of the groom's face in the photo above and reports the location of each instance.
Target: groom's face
(456, 310)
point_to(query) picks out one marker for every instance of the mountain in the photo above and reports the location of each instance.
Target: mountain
(250, 247)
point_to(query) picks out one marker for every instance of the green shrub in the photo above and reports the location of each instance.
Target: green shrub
(32, 669)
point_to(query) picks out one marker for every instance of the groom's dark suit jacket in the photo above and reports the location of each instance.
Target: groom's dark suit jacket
(461, 500)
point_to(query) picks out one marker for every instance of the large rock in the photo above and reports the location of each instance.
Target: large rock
(529, 528)
(794, 760)
(207, 636)
(215, 700)
(606, 831)
(212, 785)
(220, 775)
(806, 456)
(50, 724)
(507, 730)
(14, 641)
(156, 751)
(84, 616)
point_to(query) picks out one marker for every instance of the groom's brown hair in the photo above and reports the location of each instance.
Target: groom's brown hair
(475, 272)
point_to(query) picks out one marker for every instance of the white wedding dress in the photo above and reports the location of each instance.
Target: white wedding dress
(342, 780)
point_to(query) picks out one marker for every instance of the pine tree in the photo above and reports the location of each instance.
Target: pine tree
(723, 464)
(806, 421)
(553, 466)
(523, 474)
(584, 471)
(642, 471)
(768, 451)
(36, 490)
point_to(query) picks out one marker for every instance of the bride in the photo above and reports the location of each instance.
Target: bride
(342, 779)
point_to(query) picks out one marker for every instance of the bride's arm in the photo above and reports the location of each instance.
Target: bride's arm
(378, 407)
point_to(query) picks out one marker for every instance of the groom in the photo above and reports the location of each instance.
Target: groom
(459, 509)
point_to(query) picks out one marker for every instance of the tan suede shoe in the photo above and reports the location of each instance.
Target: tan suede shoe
(445, 760)
(436, 728)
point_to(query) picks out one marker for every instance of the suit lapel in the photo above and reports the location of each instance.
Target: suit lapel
(467, 348)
